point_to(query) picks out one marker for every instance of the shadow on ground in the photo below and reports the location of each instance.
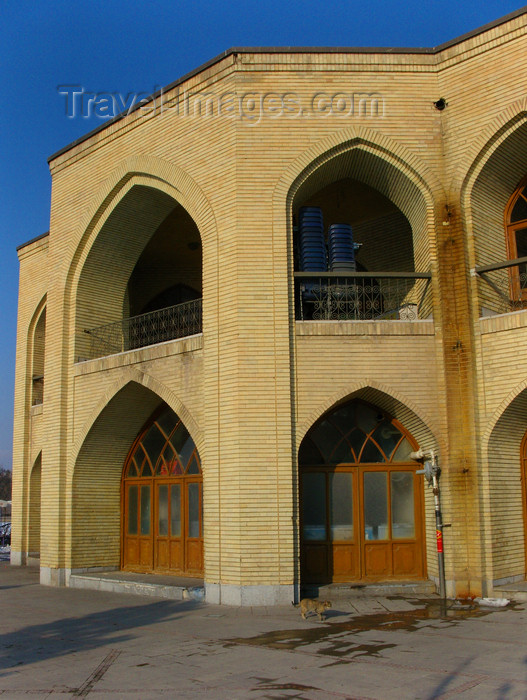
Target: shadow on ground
(67, 635)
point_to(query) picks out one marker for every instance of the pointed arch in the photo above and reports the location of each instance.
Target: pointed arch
(138, 196)
(358, 138)
(419, 424)
(496, 170)
(485, 144)
(97, 471)
(36, 349)
(133, 375)
(500, 410)
(34, 510)
(378, 162)
(503, 446)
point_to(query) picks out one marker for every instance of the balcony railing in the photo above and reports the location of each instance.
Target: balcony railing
(504, 286)
(362, 296)
(154, 327)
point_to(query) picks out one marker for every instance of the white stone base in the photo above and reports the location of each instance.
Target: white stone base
(54, 577)
(231, 594)
(18, 558)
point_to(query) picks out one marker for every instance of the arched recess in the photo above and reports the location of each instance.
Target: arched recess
(506, 454)
(96, 487)
(34, 511)
(36, 352)
(144, 255)
(389, 205)
(361, 500)
(133, 375)
(496, 173)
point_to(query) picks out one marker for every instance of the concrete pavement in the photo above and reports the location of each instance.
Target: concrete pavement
(82, 643)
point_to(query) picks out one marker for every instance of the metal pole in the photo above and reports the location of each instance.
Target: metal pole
(439, 528)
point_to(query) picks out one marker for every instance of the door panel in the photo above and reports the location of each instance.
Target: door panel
(406, 560)
(377, 560)
(315, 563)
(176, 544)
(137, 545)
(345, 562)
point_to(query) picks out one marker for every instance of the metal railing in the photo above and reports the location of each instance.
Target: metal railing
(361, 296)
(505, 285)
(154, 327)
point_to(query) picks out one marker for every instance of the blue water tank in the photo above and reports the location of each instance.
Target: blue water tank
(312, 247)
(341, 248)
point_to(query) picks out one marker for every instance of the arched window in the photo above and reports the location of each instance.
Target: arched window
(516, 233)
(162, 500)
(361, 499)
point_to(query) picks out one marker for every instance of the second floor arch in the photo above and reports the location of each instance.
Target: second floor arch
(144, 250)
(371, 192)
(491, 196)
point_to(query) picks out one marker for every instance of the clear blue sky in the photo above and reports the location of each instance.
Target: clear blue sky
(136, 46)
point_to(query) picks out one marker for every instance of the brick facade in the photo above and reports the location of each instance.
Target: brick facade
(249, 387)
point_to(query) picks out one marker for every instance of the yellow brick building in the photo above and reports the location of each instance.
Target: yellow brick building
(210, 384)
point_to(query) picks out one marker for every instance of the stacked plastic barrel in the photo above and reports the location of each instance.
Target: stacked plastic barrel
(311, 238)
(341, 248)
(312, 251)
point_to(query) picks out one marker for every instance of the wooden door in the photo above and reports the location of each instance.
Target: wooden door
(169, 543)
(330, 532)
(392, 537)
(138, 540)
(362, 524)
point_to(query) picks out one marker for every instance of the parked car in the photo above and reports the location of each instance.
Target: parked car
(5, 534)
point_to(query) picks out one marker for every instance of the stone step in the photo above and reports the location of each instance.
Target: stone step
(342, 591)
(157, 587)
(513, 591)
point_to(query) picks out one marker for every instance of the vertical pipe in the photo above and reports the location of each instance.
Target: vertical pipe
(439, 528)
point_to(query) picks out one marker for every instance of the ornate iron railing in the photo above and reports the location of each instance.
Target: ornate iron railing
(154, 327)
(505, 286)
(360, 296)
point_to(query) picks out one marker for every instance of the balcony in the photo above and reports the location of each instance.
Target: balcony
(362, 296)
(170, 323)
(503, 286)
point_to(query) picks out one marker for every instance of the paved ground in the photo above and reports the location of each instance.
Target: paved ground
(74, 643)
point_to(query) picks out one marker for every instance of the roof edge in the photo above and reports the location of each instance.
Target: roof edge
(234, 51)
(33, 240)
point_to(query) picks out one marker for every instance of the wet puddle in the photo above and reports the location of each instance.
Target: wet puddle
(337, 638)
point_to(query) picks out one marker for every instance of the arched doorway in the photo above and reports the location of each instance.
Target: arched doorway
(162, 497)
(361, 499)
